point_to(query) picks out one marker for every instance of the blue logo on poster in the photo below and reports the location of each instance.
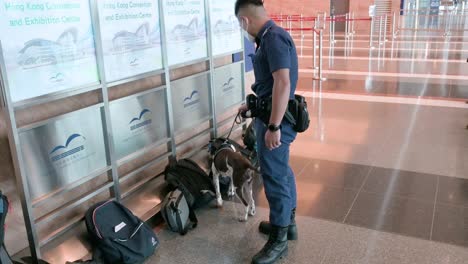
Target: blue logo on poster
(192, 99)
(134, 62)
(228, 85)
(57, 78)
(65, 147)
(139, 118)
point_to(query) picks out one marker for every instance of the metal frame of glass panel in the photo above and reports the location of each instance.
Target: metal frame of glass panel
(35, 243)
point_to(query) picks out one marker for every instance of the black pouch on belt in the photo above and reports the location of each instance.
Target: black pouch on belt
(296, 114)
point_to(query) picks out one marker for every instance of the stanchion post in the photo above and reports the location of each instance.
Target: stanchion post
(290, 24)
(315, 44)
(320, 74)
(352, 24)
(321, 57)
(385, 28)
(380, 30)
(371, 38)
(302, 26)
(315, 48)
(334, 28)
(393, 26)
(321, 26)
(346, 26)
(302, 35)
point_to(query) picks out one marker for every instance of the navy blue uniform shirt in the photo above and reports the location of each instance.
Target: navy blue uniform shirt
(275, 51)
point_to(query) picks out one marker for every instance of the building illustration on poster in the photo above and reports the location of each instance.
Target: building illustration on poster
(186, 30)
(50, 42)
(131, 37)
(227, 36)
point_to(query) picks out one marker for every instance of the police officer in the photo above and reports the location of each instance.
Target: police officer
(276, 73)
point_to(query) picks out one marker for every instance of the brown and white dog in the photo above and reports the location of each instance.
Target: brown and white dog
(228, 162)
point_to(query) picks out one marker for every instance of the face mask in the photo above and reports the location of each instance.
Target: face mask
(246, 33)
(248, 36)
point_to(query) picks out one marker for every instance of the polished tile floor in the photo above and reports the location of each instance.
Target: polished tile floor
(382, 173)
(221, 239)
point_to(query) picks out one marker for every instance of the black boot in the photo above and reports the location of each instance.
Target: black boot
(265, 227)
(275, 248)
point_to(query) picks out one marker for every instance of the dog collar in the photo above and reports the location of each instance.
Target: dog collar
(225, 146)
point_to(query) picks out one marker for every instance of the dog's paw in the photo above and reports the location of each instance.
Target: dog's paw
(219, 203)
(243, 219)
(252, 212)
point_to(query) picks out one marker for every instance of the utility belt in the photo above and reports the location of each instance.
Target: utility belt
(296, 113)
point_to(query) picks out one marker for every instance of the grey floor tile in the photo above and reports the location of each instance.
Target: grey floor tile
(324, 202)
(453, 191)
(298, 164)
(334, 174)
(317, 200)
(425, 159)
(220, 238)
(451, 224)
(402, 183)
(362, 246)
(392, 214)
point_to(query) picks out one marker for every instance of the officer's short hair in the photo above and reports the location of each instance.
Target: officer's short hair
(243, 3)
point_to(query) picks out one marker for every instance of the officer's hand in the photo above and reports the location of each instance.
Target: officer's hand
(243, 108)
(273, 139)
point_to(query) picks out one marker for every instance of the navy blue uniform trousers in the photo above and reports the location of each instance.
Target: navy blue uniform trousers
(278, 178)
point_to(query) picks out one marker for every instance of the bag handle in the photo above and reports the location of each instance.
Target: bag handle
(183, 230)
(193, 217)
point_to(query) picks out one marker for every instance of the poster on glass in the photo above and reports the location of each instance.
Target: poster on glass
(228, 86)
(138, 122)
(131, 37)
(185, 26)
(48, 46)
(227, 36)
(64, 152)
(190, 101)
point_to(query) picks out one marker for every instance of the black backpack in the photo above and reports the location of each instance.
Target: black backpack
(118, 236)
(4, 204)
(192, 180)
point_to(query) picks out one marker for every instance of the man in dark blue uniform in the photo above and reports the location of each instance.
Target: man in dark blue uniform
(276, 73)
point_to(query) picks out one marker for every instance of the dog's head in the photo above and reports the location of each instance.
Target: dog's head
(215, 145)
(219, 143)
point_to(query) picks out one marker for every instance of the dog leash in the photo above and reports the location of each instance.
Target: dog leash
(237, 121)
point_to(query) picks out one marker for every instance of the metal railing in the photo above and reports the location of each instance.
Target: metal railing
(448, 22)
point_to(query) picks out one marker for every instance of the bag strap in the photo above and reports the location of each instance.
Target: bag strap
(193, 221)
(193, 217)
(183, 230)
(174, 206)
(133, 233)
(4, 256)
(289, 116)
